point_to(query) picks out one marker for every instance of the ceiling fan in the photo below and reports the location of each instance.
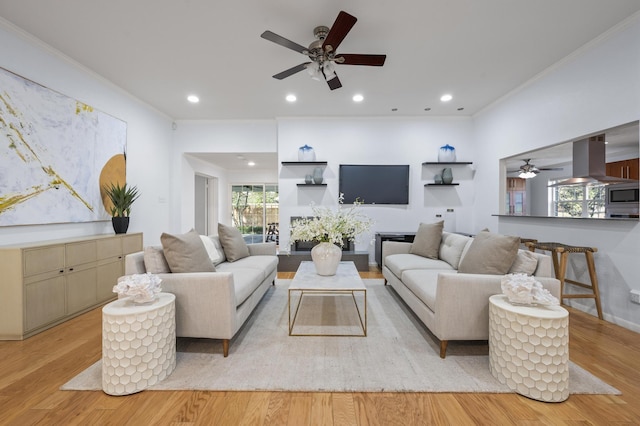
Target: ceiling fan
(323, 52)
(528, 170)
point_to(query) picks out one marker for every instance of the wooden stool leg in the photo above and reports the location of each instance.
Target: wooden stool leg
(561, 271)
(594, 281)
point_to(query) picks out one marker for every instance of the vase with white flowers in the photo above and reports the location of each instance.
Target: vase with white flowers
(330, 228)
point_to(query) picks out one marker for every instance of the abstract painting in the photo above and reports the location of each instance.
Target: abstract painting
(56, 153)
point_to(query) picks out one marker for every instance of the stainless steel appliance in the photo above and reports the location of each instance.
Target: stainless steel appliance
(622, 200)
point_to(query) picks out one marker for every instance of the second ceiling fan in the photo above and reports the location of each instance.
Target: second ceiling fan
(323, 51)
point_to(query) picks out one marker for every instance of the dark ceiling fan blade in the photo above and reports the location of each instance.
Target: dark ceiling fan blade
(291, 71)
(268, 35)
(341, 27)
(356, 59)
(334, 83)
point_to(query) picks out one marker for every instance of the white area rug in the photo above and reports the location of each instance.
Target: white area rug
(398, 355)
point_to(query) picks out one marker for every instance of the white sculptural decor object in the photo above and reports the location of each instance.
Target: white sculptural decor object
(522, 289)
(142, 288)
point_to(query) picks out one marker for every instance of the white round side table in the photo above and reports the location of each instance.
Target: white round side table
(529, 348)
(138, 344)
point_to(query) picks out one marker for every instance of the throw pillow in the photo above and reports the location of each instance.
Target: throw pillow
(154, 261)
(232, 242)
(212, 252)
(525, 263)
(452, 247)
(186, 253)
(427, 240)
(490, 254)
(216, 242)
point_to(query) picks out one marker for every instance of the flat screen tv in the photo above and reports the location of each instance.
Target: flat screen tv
(375, 184)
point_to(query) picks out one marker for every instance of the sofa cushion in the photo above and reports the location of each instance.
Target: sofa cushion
(154, 261)
(245, 280)
(423, 283)
(525, 263)
(186, 253)
(398, 263)
(212, 251)
(490, 254)
(265, 264)
(452, 246)
(427, 240)
(232, 242)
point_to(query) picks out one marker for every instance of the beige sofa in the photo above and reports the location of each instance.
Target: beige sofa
(216, 304)
(453, 306)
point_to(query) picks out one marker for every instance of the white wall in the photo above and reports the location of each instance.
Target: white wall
(594, 89)
(222, 136)
(148, 135)
(377, 141)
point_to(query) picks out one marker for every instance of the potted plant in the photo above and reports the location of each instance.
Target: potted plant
(122, 197)
(330, 228)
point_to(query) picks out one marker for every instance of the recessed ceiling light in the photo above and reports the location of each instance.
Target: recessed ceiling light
(427, 109)
(460, 109)
(193, 99)
(358, 98)
(394, 109)
(251, 164)
(446, 98)
(291, 98)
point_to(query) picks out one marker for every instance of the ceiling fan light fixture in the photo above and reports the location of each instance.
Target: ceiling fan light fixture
(526, 175)
(329, 70)
(314, 71)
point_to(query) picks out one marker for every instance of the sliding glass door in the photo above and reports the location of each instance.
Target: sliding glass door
(254, 211)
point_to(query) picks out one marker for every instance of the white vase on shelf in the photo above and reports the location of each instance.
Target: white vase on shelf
(306, 153)
(447, 154)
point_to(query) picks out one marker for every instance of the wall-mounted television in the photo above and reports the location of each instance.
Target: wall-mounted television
(375, 183)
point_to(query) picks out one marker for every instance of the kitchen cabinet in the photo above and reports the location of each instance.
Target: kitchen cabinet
(46, 283)
(627, 169)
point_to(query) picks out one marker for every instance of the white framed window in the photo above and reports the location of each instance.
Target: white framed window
(577, 200)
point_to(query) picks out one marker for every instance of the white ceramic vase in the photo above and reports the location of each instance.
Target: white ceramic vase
(326, 258)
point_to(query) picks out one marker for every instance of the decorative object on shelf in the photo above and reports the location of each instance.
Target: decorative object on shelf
(437, 179)
(447, 154)
(317, 175)
(308, 179)
(447, 176)
(121, 197)
(306, 153)
(522, 289)
(141, 288)
(330, 226)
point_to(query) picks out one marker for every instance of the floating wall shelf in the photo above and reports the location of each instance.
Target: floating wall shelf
(437, 163)
(441, 184)
(304, 163)
(312, 184)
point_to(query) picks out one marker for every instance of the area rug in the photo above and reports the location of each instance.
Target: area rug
(397, 355)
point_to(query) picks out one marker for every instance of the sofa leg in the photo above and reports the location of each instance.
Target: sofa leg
(443, 348)
(273, 282)
(225, 347)
(385, 281)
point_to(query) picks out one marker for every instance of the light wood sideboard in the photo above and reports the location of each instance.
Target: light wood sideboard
(45, 283)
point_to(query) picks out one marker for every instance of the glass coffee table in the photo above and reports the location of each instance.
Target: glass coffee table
(315, 297)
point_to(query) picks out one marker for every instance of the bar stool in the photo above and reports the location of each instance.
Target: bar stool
(560, 254)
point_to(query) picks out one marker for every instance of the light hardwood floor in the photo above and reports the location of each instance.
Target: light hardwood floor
(31, 371)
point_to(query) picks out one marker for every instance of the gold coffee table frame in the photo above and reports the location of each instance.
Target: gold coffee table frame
(346, 281)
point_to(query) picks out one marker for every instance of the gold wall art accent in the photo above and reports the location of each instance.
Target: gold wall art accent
(56, 153)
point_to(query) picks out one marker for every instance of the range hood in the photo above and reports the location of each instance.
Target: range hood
(589, 164)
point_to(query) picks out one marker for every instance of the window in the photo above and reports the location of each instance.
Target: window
(254, 211)
(577, 200)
